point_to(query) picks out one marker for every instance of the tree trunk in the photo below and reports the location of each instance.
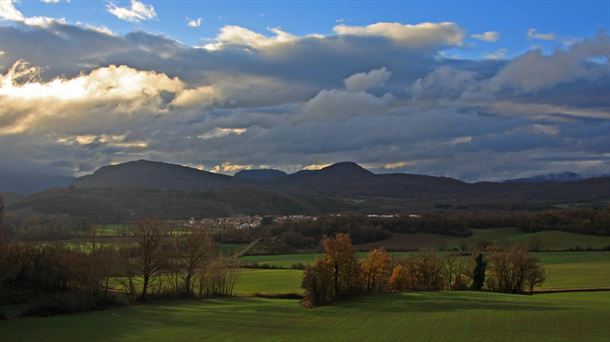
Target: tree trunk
(144, 288)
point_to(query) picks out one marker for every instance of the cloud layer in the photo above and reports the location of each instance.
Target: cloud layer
(75, 98)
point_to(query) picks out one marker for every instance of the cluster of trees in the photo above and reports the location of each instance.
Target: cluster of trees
(156, 262)
(45, 227)
(151, 262)
(512, 270)
(286, 237)
(594, 221)
(339, 273)
(289, 235)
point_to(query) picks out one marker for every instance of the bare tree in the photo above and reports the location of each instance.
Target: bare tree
(511, 269)
(148, 238)
(535, 276)
(451, 268)
(193, 252)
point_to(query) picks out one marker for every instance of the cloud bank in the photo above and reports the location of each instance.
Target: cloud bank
(380, 94)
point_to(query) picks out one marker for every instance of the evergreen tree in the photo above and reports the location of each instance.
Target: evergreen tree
(478, 274)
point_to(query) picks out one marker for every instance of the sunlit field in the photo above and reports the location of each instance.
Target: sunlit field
(564, 269)
(253, 281)
(456, 316)
(545, 240)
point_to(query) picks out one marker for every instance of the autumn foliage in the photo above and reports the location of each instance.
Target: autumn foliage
(339, 273)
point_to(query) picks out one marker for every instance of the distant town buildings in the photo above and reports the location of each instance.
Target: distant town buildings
(245, 222)
(238, 222)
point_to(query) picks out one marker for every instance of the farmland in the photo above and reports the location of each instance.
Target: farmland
(564, 269)
(252, 281)
(545, 240)
(420, 316)
(408, 315)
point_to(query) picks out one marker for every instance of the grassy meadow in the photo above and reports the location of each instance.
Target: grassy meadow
(545, 240)
(431, 316)
(252, 281)
(457, 316)
(564, 269)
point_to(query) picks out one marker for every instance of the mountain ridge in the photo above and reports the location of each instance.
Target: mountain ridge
(141, 188)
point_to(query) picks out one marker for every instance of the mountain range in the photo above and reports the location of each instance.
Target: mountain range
(551, 177)
(145, 188)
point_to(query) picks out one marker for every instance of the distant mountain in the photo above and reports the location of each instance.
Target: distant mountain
(327, 179)
(155, 175)
(111, 205)
(551, 177)
(352, 180)
(11, 197)
(31, 183)
(260, 174)
(142, 189)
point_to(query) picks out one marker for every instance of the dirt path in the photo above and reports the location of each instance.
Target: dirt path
(247, 248)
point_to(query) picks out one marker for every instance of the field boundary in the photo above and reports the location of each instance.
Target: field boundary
(591, 289)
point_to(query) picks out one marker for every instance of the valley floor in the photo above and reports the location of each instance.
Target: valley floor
(430, 316)
(564, 270)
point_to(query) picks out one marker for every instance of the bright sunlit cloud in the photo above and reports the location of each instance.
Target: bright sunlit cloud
(535, 35)
(489, 36)
(193, 22)
(137, 11)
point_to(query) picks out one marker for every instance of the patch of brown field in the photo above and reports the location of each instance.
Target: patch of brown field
(409, 242)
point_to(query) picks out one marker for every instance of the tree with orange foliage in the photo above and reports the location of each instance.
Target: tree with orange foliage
(336, 275)
(400, 279)
(375, 269)
(340, 255)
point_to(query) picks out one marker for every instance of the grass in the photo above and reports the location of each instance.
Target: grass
(546, 240)
(251, 281)
(231, 248)
(576, 269)
(283, 260)
(456, 316)
(110, 229)
(565, 269)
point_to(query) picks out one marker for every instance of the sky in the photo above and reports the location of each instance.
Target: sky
(476, 90)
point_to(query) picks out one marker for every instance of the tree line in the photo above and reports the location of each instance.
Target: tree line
(290, 236)
(151, 262)
(340, 274)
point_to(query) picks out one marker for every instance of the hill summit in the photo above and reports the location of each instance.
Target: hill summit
(154, 175)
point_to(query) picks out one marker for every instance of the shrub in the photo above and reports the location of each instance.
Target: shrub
(290, 295)
(70, 302)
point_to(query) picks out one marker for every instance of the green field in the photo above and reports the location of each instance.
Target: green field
(576, 269)
(252, 281)
(456, 316)
(283, 260)
(545, 240)
(230, 248)
(111, 229)
(564, 269)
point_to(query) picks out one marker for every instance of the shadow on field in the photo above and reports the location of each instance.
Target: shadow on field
(448, 301)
